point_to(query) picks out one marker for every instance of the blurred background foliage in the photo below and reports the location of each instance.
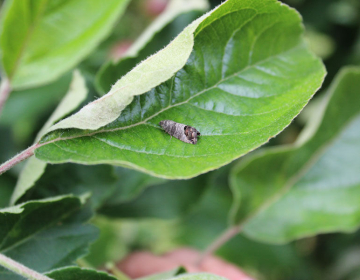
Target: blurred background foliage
(141, 212)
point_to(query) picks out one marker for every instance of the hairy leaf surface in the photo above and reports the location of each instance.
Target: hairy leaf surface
(178, 14)
(34, 168)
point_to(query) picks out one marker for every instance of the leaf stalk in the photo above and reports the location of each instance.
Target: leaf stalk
(218, 242)
(18, 158)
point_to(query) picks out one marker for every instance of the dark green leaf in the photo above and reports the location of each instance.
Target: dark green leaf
(38, 235)
(7, 184)
(79, 180)
(166, 200)
(131, 184)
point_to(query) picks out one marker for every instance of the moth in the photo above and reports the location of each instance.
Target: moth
(181, 131)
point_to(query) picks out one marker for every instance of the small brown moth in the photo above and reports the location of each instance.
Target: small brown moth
(181, 131)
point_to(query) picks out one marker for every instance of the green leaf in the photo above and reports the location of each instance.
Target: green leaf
(209, 217)
(16, 220)
(34, 168)
(76, 273)
(38, 235)
(170, 199)
(7, 185)
(131, 184)
(52, 36)
(111, 245)
(178, 14)
(249, 74)
(98, 180)
(311, 187)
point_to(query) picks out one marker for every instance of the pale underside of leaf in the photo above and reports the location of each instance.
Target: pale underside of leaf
(73, 272)
(141, 79)
(173, 9)
(34, 167)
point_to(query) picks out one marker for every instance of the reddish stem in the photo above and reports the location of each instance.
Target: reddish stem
(218, 242)
(5, 90)
(18, 158)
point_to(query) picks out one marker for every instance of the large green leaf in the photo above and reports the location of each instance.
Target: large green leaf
(178, 14)
(34, 168)
(249, 74)
(42, 39)
(27, 229)
(312, 187)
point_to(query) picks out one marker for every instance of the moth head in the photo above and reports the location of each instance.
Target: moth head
(191, 133)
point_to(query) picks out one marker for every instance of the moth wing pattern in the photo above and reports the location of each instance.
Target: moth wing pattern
(180, 131)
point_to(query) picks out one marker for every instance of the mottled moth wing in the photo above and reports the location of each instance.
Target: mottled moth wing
(181, 131)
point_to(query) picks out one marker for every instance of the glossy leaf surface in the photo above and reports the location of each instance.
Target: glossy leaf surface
(248, 76)
(313, 186)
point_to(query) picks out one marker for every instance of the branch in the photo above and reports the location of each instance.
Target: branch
(5, 90)
(20, 269)
(218, 242)
(18, 158)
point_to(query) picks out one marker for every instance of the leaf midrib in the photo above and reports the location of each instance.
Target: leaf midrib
(157, 154)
